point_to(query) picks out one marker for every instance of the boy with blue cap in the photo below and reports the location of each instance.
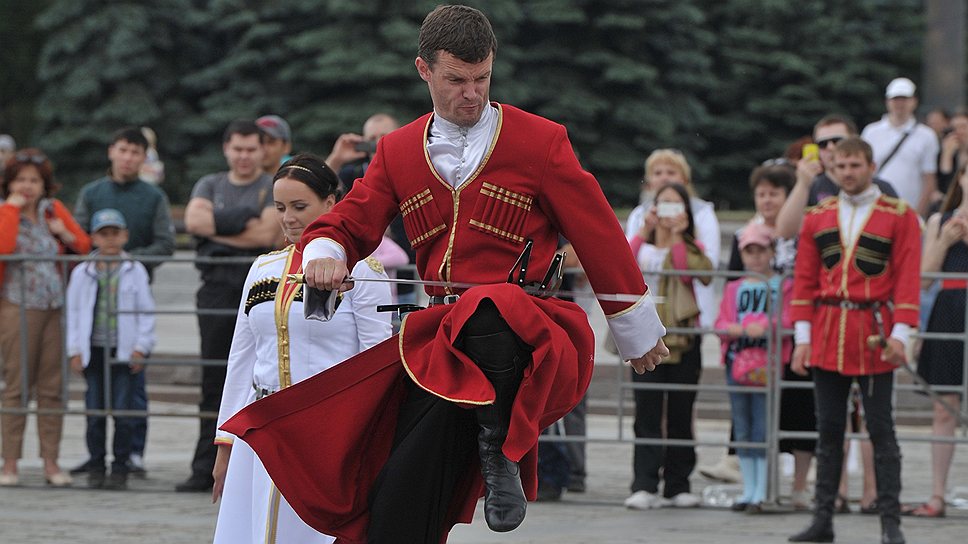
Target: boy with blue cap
(110, 330)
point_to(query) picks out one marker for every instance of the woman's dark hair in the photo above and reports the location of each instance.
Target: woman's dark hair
(312, 171)
(954, 196)
(30, 156)
(778, 175)
(690, 233)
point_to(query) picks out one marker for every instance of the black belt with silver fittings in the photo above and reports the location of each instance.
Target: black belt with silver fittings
(437, 300)
(849, 304)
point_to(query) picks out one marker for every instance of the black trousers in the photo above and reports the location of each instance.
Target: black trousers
(435, 445)
(676, 462)
(216, 335)
(832, 391)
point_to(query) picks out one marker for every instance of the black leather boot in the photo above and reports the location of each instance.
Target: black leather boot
(830, 457)
(891, 531)
(887, 470)
(820, 530)
(502, 357)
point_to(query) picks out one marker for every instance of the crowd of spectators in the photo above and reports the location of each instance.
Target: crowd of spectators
(231, 214)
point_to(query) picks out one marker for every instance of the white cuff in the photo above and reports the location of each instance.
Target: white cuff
(801, 332)
(636, 330)
(902, 332)
(322, 248)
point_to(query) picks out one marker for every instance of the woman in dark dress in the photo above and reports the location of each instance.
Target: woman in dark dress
(942, 362)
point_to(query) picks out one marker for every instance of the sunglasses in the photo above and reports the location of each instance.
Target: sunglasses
(776, 162)
(30, 157)
(822, 144)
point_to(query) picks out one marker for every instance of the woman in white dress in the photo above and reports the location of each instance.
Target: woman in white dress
(274, 346)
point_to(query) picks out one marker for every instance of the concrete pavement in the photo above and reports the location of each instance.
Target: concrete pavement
(151, 512)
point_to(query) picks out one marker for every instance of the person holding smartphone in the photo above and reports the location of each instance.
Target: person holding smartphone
(671, 245)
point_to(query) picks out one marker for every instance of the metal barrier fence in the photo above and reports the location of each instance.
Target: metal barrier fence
(775, 384)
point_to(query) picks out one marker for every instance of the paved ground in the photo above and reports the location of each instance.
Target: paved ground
(150, 511)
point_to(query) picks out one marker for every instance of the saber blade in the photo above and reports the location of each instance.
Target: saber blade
(609, 297)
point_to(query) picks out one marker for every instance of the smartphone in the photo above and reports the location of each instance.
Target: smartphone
(366, 146)
(670, 209)
(811, 152)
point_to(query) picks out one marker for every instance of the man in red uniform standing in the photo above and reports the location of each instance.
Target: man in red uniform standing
(482, 370)
(855, 302)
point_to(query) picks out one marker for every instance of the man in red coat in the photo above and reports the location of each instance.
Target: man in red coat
(475, 377)
(855, 302)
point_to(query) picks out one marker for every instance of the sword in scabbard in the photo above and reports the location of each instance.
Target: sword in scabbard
(879, 340)
(535, 290)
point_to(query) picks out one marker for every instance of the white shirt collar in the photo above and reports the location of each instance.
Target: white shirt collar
(864, 198)
(457, 152)
(442, 128)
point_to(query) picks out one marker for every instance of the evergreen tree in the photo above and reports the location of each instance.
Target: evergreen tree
(780, 66)
(108, 64)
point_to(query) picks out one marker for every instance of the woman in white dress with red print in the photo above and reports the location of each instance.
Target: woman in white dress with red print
(274, 346)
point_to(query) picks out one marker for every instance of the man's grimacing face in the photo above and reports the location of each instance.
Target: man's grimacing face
(458, 89)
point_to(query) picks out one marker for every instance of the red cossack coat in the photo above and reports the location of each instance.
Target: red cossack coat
(884, 264)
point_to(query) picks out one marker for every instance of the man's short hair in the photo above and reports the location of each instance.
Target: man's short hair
(131, 135)
(837, 119)
(242, 127)
(854, 145)
(461, 31)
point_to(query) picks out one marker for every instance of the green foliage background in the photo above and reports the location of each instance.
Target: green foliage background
(729, 82)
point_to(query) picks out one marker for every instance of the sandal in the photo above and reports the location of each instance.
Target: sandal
(870, 509)
(841, 505)
(926, 510)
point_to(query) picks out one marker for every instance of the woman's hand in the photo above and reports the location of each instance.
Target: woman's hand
(16, 199)
(679, 224)
(953, 230)
(221, 468)
(648, 225)
(734, 330)
(59, 229)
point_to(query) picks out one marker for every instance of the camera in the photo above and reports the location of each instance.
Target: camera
(366, 146)
(670, 209)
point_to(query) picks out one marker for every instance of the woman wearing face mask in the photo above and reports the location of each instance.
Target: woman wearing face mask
(671, 245)
(274, 346)
(31, 301)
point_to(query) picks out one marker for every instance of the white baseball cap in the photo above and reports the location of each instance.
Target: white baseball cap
(900, 87)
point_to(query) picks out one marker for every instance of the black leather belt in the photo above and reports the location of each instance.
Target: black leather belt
(437, 300)
(849, 304)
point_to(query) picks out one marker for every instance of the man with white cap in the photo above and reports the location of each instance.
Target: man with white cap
(905, 151)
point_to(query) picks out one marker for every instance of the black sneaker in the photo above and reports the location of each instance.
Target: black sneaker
(117, 481)
(196, 483)
(95, 478)
(82, 468)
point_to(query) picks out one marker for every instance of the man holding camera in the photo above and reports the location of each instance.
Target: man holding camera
(352, 153)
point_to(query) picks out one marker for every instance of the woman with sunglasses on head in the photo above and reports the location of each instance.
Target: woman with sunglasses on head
(33, 224)
(275, 346)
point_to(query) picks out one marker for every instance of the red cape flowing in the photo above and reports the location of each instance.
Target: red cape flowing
(324, 440)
